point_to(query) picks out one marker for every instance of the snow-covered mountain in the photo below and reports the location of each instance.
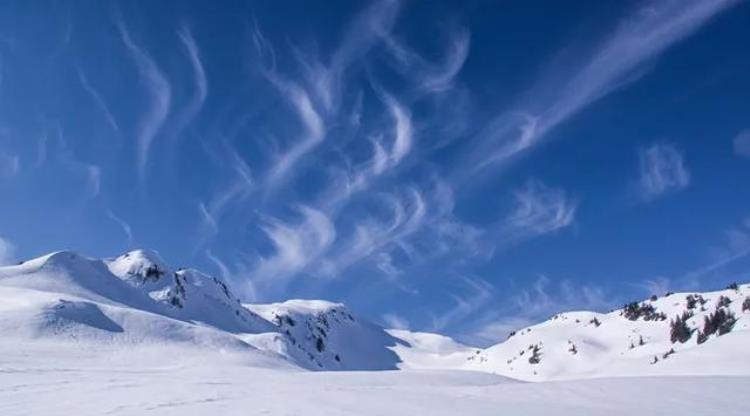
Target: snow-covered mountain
(678, 334)
(137, 300)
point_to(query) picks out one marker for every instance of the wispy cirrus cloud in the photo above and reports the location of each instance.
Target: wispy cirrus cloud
(657, 286)
(734, 248)
(535, 303)
(477, 294)
(313, 130)
(237, 190)
(725, 259)
(7, 252)
(160, 97)
(200, 84)
(538, 210)
(431, 77)
(393, 321)
(126, 229)
(661, 170)
(94, 174)
(619, 60)
(236, 271)
(442, 77)
(10, 164)
(404, 133)
(372, 234)
(98, 99)
(296, 245)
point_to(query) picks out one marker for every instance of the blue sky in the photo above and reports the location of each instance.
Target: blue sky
(462, 168)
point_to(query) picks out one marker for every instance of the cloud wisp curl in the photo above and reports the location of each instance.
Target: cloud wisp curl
(662, 170)
(160, 97)
(200, 84)
(98, 99)
(297, 245)
(538, 210)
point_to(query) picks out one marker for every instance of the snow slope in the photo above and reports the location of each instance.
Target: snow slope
(129, 335)
(326, 335)
(137, 300)
(589, 344)
(74, 301)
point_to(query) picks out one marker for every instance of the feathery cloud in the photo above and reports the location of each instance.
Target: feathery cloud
(393, 321)
(313, 125)
(97, 98)
(479, 294)
(94, 175)
(543, 298)
(662, 170)
(657, 286)
(200, 84)
(10, 165)
(296, 245)
(160, 94)
(538, 210)
(618, 61)
(123, 225)
(441, 78)
(403, 137)
(7, 252)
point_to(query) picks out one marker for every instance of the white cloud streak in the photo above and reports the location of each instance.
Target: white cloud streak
(538, 210)
(296, 246)
(98, 99)
(94, 175)
(10, 165)
(636, 41)
(200, 83)
(662, 170)
(313, 126)
(480, 293)
(536, 303)
(239, 189)
(402, 142)
(393, 321)
(123, 225)
(7, 252)
(442, 78)
(160, 94)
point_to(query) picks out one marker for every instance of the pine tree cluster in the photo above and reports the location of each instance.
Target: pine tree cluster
(634, 311)
(679, 329)
(719, 322)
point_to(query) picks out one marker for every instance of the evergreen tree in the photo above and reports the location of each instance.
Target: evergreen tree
(535, 355)
(679, 330)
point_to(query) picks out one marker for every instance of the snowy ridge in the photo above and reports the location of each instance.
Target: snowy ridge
(137, 300)
(678, 334)
(326, 335)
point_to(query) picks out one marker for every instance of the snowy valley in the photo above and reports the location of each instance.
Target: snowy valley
(136, 335)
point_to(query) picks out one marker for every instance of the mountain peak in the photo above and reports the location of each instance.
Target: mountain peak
(140, 267)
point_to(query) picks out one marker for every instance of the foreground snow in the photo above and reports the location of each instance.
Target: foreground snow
(53, 379)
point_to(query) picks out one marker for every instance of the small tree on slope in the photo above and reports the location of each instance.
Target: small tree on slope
(679, 329)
